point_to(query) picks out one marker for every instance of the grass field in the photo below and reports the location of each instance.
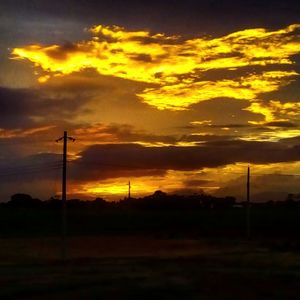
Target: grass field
(136, 267)
(150, 254)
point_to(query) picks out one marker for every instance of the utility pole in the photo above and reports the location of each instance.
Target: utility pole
(129, 189)
(248, 203)
(65, 139)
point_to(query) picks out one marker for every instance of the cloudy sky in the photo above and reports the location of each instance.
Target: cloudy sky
(174, 95)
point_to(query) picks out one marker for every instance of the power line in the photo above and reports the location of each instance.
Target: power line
(33, 165)
(29, 172)
(30, 169)
(25, 141)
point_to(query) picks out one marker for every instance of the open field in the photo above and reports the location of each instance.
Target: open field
(126, 267)
(229, 223)
(150, 254)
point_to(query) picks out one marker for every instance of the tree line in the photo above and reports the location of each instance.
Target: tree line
(159, 200)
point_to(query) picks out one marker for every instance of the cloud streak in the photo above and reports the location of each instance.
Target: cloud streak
(120, 160)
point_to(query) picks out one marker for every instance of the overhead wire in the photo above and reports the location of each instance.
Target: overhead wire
(11, 171)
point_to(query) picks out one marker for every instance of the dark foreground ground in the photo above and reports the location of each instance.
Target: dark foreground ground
(145, 267)
(128, 254)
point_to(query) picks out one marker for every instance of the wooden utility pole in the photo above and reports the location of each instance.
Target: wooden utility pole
(248, 203)
(129, 189)
(65, 139)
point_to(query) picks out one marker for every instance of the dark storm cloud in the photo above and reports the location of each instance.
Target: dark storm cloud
(205, 137)
(34, 174)
(21, 107)
(215, 126)
(159, 10)
(293, 141)
(196, 182)
(88, 81)
(16, 107)
(113, 160)
(233, 74)
(284, 124)
(119, 133)
(244, 127)
(223, 110)
(289, 93)
(228, 126)
(61, 52)
(127, 133)
(189, 15)
(30, 167)
(57, 103)
(263, 187)
(142, 57)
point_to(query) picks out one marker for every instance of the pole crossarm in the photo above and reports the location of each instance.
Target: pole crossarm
(68, 137)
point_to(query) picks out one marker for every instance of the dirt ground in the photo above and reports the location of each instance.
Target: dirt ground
(136, 267)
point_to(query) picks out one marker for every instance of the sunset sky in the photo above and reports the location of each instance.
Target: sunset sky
(179, 96)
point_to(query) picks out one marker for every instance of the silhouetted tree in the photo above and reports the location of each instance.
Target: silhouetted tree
(24, 200)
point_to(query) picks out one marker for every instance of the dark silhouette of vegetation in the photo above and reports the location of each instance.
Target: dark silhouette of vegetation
(158, 201)
(23, 201)
(159, 214)
(162, 201)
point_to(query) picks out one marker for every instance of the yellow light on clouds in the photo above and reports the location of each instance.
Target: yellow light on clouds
(175, 65)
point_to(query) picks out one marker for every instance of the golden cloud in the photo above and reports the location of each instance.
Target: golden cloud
(174, 65)
(275, 110)
(182, 95)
